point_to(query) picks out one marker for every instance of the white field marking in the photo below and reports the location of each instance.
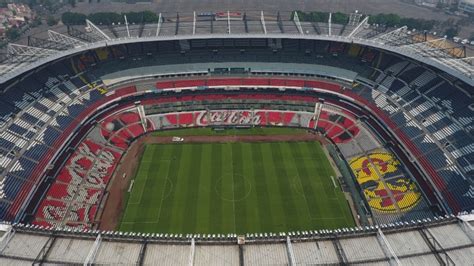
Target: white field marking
(164, 189)
(334, 182)
(140, 222)
(220, 181)
(233, 191)
(304, 196)
(162, 197)
(141, 192)
(143, 187)
(131, 185)
(329, 218)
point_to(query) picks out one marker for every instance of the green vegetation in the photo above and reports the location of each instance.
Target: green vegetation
(109, 18)
(13, 34)
(51, 21)
(389, 20)
(71, 18)
(259, 131)
(234, 188)
(451, 32)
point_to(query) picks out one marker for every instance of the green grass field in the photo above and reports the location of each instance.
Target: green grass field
(234, 188)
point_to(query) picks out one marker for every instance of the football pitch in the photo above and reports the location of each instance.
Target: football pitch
(238, 188)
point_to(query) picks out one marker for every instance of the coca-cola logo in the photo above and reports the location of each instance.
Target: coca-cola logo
(227, 117)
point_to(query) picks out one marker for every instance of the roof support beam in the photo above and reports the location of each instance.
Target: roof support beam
(14, 49)
(341, 256)
(93, 251)
(424, 43)
(47, 44)
(96, 29)
(245, 23)
(296, 19)
(158, 25)
(387, 248)
(141, 256)
(291, 254)
(191, 253)
(329, 24)
(126, 25)
(6, 239)
(176, 31)
(262, 20)
(44, 252)
(436, 247)
(228, 22)
(194, 22)
(466, 229)
(61, 38)
(280, 23)
(391, 35)
(359, 27)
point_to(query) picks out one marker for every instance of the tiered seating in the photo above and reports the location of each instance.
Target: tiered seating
(185, 118)
(59, 191)
(387, 188)
(440, 110)
(51, 210)
(261, 82)
(54, 107)
(78, 186)
(274, 118)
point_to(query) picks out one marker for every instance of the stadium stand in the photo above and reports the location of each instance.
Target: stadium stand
(428, 114)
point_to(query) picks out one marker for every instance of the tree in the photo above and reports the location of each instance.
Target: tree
(51, 21)
(339, 18)
(105, 18)
(36, 22)
(451, 32)
(13, 34)
(71, 18)
(72, 3)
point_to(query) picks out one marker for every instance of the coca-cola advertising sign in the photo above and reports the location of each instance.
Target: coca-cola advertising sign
(228, 117)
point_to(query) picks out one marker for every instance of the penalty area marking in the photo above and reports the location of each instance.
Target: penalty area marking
(333, 181)
(163, 197)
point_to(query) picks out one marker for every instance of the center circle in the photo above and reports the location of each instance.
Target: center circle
(233, 187)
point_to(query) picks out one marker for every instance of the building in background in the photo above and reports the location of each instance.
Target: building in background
(466, 6)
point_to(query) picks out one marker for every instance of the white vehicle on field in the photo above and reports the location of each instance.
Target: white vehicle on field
(177, 139)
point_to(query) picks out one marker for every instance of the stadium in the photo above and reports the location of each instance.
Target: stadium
(236, 138)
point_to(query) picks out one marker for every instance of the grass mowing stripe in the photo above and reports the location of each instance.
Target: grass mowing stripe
(227, 189)
(304, 178)
(164, 224)
(190, 208)
(302, 194)
(241, 188)
(178, 217)
(155, 189)
(276, 197)
(334, 196)
(206, 191)
(291, 203)
(136, 193)
(261, 188)
(146, 212)
(210, 183)
(215, 201)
